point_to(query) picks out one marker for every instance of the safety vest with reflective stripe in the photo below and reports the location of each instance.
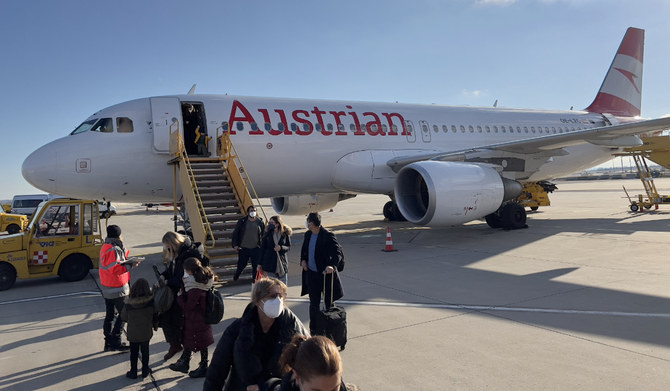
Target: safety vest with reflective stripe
(112, 273)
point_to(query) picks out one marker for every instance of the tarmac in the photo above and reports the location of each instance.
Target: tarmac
(578, 300)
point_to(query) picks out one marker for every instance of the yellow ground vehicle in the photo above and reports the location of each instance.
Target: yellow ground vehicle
(12, 224)
(63, 238)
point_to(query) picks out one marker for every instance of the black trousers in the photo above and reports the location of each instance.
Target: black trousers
(113, 324)
(135, 348)
(314, 289)
(243, 257)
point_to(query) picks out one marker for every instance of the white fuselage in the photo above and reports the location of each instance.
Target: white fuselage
(321, 146)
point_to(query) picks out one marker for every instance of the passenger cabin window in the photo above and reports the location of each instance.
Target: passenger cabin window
(124, 125)
(240, 126)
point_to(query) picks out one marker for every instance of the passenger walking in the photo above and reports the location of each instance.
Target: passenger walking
(274, 245)
(197, 336)
(248, 353)
(142, 320)
(247, 240)
(319, 254)
(177, 248)
(310, 364)
(114, 278)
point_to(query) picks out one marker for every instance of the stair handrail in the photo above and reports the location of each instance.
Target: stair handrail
(224, 147)
(183, 158)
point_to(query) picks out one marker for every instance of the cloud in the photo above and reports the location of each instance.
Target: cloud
(502, 3)
(474, 93)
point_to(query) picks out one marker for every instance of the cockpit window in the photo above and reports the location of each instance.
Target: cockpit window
(104, 125)
(84, 127)
(124, 125)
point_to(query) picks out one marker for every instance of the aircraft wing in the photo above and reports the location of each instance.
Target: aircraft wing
(621, 135)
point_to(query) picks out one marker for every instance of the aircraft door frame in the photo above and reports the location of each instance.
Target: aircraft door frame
(163, 111)
(411, 131)
(425, 131)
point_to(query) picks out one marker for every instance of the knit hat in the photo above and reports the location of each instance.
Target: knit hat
(113, 231)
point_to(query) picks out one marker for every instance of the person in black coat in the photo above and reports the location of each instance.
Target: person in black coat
(248, 352)
(275, 244)
(246, 241)
(319, 254)
(177, 249)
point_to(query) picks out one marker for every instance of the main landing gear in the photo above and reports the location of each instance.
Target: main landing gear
(511, 215)
(392, 213)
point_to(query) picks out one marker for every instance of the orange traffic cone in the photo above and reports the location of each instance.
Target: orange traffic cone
(389, 241)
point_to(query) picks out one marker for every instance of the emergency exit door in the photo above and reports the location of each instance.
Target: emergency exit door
(165, 112)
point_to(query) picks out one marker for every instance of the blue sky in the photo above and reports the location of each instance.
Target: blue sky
(63, 60)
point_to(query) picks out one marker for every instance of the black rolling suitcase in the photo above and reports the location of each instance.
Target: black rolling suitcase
(332, 322)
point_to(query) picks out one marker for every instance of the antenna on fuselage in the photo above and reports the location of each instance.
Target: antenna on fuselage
(495, 104)
(192, 90)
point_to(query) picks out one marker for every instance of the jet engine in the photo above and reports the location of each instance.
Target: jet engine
(439, 193)
(304, 203)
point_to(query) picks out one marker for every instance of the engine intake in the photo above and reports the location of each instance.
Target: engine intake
(448, 193)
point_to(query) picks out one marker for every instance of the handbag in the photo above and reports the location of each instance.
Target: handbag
(163, 294)
(279, 270)
(259, 275)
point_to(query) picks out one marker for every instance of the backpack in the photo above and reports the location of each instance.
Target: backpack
(213, 306)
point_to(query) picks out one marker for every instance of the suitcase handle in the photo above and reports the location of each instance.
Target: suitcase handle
(332, 285)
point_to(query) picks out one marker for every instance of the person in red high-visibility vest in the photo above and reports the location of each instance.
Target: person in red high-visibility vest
(114, 283)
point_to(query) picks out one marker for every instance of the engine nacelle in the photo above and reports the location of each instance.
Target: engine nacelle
(447, 193)
(305, 203)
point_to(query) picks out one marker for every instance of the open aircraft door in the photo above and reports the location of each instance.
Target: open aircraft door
(164, 111)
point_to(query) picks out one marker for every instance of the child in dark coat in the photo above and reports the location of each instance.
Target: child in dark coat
(142, 319)
(197, 335)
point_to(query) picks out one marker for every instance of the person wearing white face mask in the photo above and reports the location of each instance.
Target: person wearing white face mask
(247, 241)
(248, 353)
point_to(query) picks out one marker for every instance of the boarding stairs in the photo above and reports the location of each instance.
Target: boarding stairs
(215, 197)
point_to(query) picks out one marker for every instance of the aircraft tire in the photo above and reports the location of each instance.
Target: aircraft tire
(74, 267)
(494, 220)
(7, 276)
(13, 229)
(397, 215)
(388, 210)
(513, 216)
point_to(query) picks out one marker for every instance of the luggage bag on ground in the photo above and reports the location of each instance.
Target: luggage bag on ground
(332, 322)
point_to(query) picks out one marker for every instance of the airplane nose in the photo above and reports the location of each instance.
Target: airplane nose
(39, 169)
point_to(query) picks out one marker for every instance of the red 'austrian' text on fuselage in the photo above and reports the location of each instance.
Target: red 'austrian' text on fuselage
(373, 126)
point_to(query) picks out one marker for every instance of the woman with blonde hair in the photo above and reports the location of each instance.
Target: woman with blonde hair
(247, 354)
(275, 243)
(177, 248)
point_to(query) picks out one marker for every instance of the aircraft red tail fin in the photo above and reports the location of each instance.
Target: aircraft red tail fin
(621, 91)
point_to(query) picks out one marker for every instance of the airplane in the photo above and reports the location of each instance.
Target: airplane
(441, 165)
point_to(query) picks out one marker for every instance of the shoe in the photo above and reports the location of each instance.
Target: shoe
(132, 374)
(146, 371)
(180, 366)
(174, 349)
(236, 277)
(201, 371)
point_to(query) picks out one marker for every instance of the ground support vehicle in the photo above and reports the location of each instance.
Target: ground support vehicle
(63, 239)
(12, 224)
(535, 194)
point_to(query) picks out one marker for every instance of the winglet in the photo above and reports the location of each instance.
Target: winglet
(621, 91)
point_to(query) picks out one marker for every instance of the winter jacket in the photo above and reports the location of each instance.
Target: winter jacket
(287, 383)
(197, 333)
(175, 269)
(141, 317)
(238, 232)
(114, 274)
(235, 355)
(268, 257)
